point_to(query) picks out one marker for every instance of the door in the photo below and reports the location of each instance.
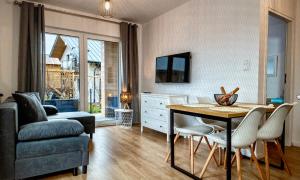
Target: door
(276, 62)
(102, 76)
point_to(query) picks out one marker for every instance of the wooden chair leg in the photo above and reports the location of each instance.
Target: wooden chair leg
(253, 146)
(267, 165)
(238, 161)
(192, 154)
(233, 159)
(168, 154)
(241, 154)
(282, 157)
(253, 157)
(198, 144)
(208, 159)
(225, 159)
(206, 140)
(220, 156)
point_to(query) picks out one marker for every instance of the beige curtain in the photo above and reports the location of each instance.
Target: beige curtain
(130, 65)
(31, 71)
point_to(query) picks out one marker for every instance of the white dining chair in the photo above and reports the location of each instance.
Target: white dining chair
(189, 127)
(242, 137)
(218, 127)
(271, 130)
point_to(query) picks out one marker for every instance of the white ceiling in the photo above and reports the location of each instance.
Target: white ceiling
(139, 11)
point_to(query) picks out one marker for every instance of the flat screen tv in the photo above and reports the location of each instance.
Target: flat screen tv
(173, 68)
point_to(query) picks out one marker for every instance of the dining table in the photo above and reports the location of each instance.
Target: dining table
(213, 112)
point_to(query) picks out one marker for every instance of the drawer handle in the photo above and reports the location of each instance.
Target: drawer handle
(160, 126)
(145, 111)
(145, 101)
(161, 103)
(160, 115)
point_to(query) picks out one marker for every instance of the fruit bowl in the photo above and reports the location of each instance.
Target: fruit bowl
(230, 101)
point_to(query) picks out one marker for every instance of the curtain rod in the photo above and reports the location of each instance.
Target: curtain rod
(73, 12)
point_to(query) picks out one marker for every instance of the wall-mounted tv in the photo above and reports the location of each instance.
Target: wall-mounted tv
(173, 68)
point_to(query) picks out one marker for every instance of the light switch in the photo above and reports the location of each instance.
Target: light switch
(246, 65)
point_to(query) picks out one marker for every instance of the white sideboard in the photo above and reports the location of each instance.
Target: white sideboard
(154, 113)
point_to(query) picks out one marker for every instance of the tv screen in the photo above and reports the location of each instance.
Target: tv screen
(173, 69)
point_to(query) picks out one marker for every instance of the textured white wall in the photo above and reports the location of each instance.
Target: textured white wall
(220, 34)
(296, 112)
(9, 46)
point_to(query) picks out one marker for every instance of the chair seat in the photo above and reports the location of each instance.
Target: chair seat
(200, 130)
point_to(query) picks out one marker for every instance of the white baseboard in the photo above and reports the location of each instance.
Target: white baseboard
(296, 143)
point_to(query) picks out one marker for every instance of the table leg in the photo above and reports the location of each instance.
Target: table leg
(172, 138)
(228, 159)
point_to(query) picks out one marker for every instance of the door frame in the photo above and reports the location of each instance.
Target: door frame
(289, 94)
(83, 37)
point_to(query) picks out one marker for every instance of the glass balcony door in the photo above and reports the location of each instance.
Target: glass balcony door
(102, 76)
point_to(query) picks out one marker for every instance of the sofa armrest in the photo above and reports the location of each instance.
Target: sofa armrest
(8, 119)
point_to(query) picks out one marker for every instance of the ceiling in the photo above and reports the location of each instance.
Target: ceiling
(139, 11)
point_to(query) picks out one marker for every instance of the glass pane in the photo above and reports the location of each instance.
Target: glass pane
(62, 72)
(103, 78)
(95, 55)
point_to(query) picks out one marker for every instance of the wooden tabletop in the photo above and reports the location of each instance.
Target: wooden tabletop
(213, 112)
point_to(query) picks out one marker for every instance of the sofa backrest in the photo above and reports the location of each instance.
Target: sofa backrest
(8, 131)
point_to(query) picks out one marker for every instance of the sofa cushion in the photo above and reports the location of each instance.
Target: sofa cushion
(85, 118)
(50, 129)
(33, 149)
(30, 108)
(50, 110)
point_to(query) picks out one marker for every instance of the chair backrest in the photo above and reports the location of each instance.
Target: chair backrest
(181, 120)
(246, 132)
(273, 127)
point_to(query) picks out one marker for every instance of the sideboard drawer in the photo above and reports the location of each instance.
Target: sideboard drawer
(157, 114)
(156, 125)
(155, 102)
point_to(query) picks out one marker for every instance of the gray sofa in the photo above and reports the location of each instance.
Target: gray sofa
(29, 158)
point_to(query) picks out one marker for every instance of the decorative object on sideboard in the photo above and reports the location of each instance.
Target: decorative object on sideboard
(226, 99)
(298, 97)
(125, 99)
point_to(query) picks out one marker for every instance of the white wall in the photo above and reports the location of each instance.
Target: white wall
(9, 45)
(81, 24)
(296, 112)
(220, 34)
(277, 46)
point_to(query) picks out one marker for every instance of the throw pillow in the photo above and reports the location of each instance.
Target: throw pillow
(30, 109)
(50, 110)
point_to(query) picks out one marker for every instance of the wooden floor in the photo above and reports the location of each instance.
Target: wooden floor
(117, 153)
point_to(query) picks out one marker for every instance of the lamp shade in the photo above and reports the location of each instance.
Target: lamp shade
(106, 8)
(125, 97)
